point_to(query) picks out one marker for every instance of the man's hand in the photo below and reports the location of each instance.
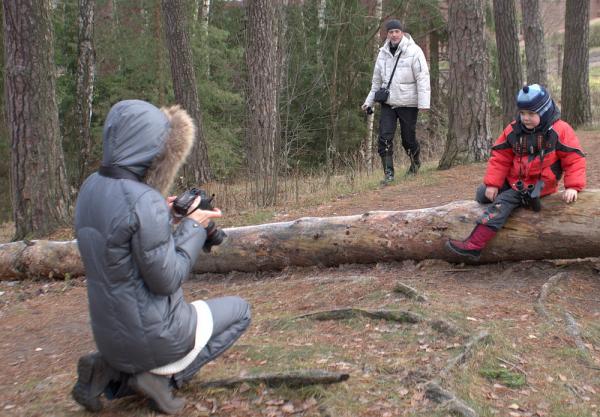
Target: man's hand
(364, 107)
(491, 193)
(569, 195)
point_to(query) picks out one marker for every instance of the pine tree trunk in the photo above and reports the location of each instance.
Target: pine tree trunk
(197, 169)
(576, 103)
(569, 231)
(262, 97)
(86, 71)
(468, 138)
(507, 42)
(535, 45)
(40, 195)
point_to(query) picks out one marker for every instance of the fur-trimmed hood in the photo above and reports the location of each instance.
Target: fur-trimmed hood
(150, 142)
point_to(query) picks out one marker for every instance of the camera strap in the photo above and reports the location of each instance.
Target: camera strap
(394, 70)
(118, 173)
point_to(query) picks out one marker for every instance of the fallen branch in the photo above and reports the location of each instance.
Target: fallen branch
(482, 336)
(400, 316)
(291, 378)
(409, 292)
(539, 306)
(448, 400)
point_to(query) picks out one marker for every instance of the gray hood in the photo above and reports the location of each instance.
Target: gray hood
(150, 142)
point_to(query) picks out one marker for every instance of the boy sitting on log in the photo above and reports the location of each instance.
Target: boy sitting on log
(528, 160)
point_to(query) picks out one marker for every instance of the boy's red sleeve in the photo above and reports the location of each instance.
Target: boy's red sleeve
(572, 158)
(500, 161)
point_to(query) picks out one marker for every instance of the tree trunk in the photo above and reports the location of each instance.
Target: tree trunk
(197, 169)
(576, 103)
(468, 138)
(559, 231)
(367, 145)
(535, 45)
(40, 195)
(86, 71)
(507, 42)
(262, 97)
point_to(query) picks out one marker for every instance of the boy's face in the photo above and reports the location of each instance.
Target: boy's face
(529, 118)
(395, 36)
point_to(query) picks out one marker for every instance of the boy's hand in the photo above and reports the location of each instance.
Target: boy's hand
(491, 193)
(569, 195)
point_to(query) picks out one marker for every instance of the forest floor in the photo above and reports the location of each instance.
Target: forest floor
(530, 361)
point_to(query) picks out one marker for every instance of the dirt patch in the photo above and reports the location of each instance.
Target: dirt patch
(530, 365)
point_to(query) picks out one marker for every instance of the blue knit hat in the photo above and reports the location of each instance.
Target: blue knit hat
(534, 98)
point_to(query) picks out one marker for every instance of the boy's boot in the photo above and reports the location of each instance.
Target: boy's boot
(158, 389)
(472, 246)
(415, 163)
(93, 375)
(387, 162)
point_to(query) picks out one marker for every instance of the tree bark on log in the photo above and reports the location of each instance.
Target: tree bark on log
(558, 231)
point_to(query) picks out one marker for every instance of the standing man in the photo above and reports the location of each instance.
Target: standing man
(409, 91)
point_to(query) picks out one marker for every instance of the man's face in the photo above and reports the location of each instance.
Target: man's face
(395, 36)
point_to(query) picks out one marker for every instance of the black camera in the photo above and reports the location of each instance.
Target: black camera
(530, 195)
(369, 110)
(181, 205)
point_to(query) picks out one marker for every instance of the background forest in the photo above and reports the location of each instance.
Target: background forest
(275, 86)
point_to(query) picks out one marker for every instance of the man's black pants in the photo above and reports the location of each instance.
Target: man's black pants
(387, 128)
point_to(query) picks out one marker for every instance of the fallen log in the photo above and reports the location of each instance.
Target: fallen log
(297, 378)
(559, 231)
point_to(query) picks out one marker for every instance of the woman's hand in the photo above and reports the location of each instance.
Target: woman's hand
(203, 217)
(569, 195)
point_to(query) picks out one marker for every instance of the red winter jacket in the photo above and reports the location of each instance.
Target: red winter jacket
(516, 156)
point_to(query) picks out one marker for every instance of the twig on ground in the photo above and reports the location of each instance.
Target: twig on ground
(401, 316)
(409, 292)
(291, 378)
(480, 337)
(539, 306)
(512, 365)
(448, 400)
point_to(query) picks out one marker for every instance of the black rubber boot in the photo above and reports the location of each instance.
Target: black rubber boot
(387, 162)
(415, 163)
(158, 389)
(93, 376)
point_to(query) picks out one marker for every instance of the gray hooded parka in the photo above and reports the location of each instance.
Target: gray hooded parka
(134, 262)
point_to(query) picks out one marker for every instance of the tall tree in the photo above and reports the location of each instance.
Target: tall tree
(367, 145)
(86, 70)
(535, 45)
(575, 95)
(509, 57)
(468, 138)
(40, 196)
(262, 129)
(197, 168)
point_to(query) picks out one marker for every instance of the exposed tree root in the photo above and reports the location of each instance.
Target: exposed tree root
(448, 400)
(573, 331)
(401, 316)
(291, 378)
(539, 306)
(409, 292)
(482, 336)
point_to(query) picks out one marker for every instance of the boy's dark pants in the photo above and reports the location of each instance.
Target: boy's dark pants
(496, 214)
(408, 126)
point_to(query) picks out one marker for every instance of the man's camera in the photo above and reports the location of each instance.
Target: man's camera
(369, 110)
(181, 206)
(530, 195)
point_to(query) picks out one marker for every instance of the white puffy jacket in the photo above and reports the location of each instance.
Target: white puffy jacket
(410, 84)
